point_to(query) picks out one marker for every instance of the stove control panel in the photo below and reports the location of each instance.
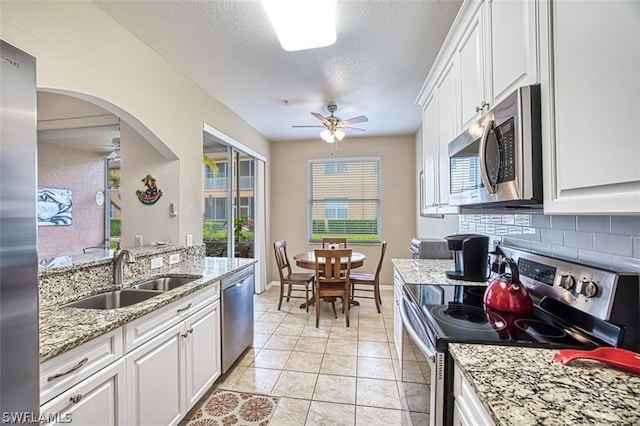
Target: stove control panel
(586, 288)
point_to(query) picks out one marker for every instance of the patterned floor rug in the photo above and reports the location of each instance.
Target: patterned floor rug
(226, 408)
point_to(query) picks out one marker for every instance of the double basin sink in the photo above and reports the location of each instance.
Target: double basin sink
(136, 294)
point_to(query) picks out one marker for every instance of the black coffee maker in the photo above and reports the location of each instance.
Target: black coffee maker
(471, 254)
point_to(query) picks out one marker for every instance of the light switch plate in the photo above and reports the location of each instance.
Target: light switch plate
(156, 262)
(174, 258)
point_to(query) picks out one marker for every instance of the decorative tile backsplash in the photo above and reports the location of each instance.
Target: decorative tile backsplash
(611, 241)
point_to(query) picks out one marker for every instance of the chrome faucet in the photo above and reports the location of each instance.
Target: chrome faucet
(120, 257)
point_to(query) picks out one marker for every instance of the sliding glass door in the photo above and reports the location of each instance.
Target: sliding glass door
(229, 206)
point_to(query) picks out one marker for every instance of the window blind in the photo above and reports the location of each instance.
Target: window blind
(344, 199)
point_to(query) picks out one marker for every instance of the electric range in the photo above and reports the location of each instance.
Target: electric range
(575, 306)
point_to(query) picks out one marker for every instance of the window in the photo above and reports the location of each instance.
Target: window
(335, 167)
(344, 199)
(336, 209)
(215, 208)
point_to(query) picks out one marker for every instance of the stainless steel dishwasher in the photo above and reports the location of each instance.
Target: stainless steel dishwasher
(237, 315)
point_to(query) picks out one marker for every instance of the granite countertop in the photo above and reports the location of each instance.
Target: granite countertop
(527, 386)
(62, 329)
(428, 271)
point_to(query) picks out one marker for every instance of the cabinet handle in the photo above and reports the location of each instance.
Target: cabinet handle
(75, 398)
(184, 309)
(484, 105)
(478, 108)
(185, 335)
(71, 370)
(190, 330)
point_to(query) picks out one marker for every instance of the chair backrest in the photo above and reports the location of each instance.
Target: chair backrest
(384, 249)
(328, 241)
(280, 250)
(93, 249)
(329, 266)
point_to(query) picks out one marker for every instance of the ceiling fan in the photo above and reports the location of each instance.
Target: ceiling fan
(334, 127)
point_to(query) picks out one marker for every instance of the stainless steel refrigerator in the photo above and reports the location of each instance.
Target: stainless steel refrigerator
(19, 360)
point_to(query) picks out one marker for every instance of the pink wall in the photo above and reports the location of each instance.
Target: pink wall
(83, 173)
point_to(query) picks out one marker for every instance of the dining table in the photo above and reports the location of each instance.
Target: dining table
(307, 260)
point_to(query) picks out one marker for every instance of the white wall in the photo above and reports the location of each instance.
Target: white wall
(80, 50)
(289, 199)
(153, 222)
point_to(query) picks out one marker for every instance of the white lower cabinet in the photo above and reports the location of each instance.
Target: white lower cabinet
(155, 380)
(173, 358)
(99, 400)
(397, 318)
(203, 360)
(168, 374)
(467, 408)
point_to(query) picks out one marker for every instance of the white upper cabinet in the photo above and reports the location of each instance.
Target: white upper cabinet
(430, 154)
(439, 127)
(512, 47)
(447, 131)
(590, 71)
(496, 53)
(471, 59)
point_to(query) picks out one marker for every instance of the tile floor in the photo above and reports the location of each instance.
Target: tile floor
(331, 375)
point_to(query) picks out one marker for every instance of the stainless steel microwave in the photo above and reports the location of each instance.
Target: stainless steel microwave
(497, 161)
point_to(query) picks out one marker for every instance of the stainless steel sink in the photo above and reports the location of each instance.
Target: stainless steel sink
(113, 299)
(164, 283)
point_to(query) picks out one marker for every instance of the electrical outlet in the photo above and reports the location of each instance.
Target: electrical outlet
(174, 258)
(189, 240)
(157, 262)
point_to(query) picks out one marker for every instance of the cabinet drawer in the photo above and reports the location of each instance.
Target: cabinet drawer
(64, 371)
(147, 327)
(99, 400)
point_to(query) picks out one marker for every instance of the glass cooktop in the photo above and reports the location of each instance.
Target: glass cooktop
(457, 314)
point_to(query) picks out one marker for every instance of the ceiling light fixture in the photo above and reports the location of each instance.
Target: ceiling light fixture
(302, 24)
(332, 136)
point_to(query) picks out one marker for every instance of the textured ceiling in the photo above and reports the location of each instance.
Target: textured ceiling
(383, 53)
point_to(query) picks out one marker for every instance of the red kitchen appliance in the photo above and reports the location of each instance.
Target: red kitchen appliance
(506, 293)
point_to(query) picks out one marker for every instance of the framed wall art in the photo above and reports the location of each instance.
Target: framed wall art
(55, 206)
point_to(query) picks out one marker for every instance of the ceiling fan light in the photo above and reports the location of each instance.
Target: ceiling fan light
(302, 25)
(339, 134)
(328, 136)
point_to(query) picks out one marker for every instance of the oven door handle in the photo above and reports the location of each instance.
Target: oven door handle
(482, 153)
(425, 347)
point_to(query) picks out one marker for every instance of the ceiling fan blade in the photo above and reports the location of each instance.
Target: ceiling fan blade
(315, 127)
(354, 128)
(321, 118)
(355, 120)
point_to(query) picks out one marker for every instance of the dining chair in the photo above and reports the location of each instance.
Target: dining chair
(289, 278)
(331, 280)
(327, 242)
(93, 249)
(372, 281)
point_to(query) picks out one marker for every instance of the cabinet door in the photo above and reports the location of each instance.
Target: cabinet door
(512, 54)
(472, 72)
(98, 400)
(397, 319)
(592, 148)
(430, 153)
(203, 363)
(155, 380)
(447, 130)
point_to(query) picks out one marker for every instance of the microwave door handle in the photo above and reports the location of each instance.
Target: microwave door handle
(483, 158)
